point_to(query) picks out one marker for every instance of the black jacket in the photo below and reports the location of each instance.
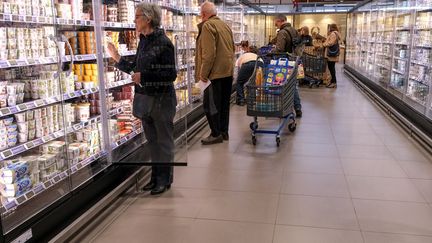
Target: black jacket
(155, 60)
(307, 40)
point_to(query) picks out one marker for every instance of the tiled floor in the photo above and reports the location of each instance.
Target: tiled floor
(346, 175)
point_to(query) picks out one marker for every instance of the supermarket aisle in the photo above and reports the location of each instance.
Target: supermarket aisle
(346, 175)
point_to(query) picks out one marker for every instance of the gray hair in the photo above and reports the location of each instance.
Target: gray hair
(281, 17)
(209, 7)
(151, 11)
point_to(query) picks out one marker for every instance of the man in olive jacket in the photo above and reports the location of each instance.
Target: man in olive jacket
(214, 62)
(285, 41)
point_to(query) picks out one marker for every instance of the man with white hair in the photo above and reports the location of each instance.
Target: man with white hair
(214, 62)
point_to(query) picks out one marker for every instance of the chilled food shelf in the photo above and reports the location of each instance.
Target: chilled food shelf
(52, 100)
(52, 60)
(401, 58)
(421, 63)
(416, 100)
(119, 83)
(423, 45)
(45, 20)
(21, 148)
(44, 102)
(11, 205)
(397, 71)
(383, 66)
(419, 81)
(126, 138)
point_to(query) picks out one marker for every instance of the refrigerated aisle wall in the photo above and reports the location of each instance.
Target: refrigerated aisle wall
(63, 122)
(390, 43)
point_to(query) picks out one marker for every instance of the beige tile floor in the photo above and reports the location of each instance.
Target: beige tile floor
(348, 174)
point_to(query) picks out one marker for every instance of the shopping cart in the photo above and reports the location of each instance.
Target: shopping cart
(314, 68)
(270, 93)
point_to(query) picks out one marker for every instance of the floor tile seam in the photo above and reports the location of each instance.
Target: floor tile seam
(235, 221)
(115, 218)
(397, 126)
(236, 169)
(391, 201)
(314, 195)
(384, 177)
(224, 190)
(396, 233)
(377, 176)
(313, 173)
(348, 187)
(411, 180)
(318, 227)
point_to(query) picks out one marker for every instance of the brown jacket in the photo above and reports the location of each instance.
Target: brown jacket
(215, 49)
(332, 39)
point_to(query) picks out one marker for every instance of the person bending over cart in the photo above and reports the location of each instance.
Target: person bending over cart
(246, 65)
(155, 98)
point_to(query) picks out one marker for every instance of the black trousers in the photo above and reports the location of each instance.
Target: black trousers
(332, 69)
(217, 104)
(245, 72)
(159, 131)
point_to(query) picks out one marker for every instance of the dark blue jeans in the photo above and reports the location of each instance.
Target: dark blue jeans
(245, 72)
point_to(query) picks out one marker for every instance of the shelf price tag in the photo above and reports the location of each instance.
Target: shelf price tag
(30, 194)
(56, 179)
(29, 145)
(21, 18)
(4, 64)
(22, 62)
(7, 17)
(7, 153)
(93, 90)
(22, 107)
(38, 188)
(13, 63)
(48, 184)
(21, 199)
(78, 57)
(5, 111)
(10, 205)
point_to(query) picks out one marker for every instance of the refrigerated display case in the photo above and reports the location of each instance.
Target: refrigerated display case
(66, 111)
(401, 44)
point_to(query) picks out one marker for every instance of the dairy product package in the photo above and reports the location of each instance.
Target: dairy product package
(18, 188)
(14, 171)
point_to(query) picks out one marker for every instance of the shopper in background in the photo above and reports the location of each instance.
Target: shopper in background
(155, 100)
(305, 36)
(332, 53)
(287, 40)
(244, 45)
(214, 62)
(246, 65)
